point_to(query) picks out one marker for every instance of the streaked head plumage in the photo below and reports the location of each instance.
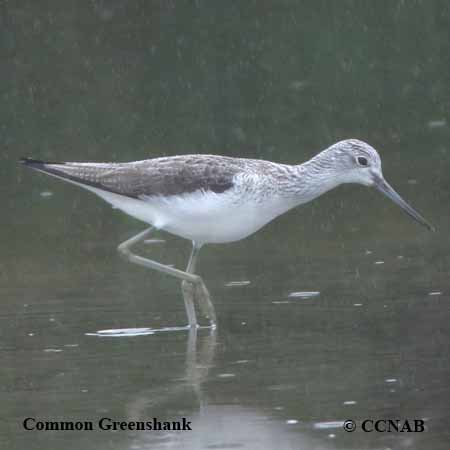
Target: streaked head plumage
(354, 161)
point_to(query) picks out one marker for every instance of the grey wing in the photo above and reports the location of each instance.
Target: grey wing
(161, 176)
(183, 174)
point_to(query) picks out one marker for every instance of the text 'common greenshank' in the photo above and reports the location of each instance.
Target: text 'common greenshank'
(217, 199)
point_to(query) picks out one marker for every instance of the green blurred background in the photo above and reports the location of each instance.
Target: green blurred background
(279, 80)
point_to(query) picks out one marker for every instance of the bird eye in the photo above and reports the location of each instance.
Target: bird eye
(362, 161)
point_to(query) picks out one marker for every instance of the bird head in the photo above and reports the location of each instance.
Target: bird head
(355, 161)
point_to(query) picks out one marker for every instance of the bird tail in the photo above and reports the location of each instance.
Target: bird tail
(66, 171)
(87, 175)
(91, 176)
(37, 164)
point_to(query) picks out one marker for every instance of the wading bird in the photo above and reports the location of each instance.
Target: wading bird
(218, 199)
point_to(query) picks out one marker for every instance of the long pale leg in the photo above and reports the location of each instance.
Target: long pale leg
(124, 250)
(198, 291)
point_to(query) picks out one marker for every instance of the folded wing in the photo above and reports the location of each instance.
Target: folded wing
(168, 176)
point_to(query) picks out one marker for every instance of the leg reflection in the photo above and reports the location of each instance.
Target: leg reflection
(200, 351)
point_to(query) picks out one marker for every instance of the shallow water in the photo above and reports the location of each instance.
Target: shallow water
(281, 370)
(338, 310)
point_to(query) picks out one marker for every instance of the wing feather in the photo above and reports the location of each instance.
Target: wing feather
(160, 176)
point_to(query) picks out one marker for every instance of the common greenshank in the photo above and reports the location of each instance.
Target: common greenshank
(218, 199)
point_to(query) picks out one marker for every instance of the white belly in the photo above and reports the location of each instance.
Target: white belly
(214, 218)
(203, 217)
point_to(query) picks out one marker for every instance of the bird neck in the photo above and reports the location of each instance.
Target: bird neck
(314, 178)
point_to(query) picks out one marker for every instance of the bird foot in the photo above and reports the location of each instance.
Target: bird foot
(199, 293)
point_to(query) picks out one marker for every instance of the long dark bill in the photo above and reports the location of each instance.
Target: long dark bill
(383, 186)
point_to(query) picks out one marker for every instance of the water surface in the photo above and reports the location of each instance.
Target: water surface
(338, 310)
